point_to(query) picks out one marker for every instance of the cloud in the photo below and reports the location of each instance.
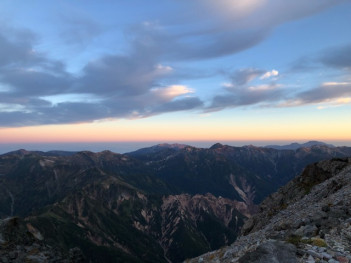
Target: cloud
(270, 74)
(189, 103)
(328, 91)
(248, 96)
(241, 92)
(171, 91)
(254, 87)
(143, 81)
(37, 90)
(244, 76)
(16, 48)
(231, 26)
(303, 64)
(236, 8)
(338, 57)
(27, 82)
(220, 28)
(333, 93)
(274, 95)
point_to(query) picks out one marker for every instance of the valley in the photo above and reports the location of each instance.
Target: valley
(165, 203)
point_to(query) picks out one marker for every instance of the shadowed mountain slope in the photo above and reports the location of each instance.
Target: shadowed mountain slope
(159, 204)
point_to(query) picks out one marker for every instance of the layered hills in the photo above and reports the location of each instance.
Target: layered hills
(160, 204)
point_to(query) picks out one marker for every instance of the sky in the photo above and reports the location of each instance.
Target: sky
(83, 72)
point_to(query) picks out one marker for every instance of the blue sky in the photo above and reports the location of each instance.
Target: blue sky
(149, 63)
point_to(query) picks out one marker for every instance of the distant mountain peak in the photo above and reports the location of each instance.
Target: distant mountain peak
(159, 149)
(216, 146)
(172, 146)
(20, 152)
(295, 145)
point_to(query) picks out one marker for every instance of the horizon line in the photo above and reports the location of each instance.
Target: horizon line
(129, 146)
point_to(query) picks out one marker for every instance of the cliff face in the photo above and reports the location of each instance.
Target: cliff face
(308, 220)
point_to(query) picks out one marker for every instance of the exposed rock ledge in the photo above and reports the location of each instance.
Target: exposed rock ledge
(308, 220)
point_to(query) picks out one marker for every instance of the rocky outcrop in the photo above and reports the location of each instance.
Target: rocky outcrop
(296, 190)
(23, 243)
(271, 252)
(312, 213)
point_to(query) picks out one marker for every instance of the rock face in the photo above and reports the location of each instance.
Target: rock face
(22, 243)
(271, 252)
(311, 215)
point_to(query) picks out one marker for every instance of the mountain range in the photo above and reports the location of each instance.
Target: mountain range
(295, 145)
(164, 203)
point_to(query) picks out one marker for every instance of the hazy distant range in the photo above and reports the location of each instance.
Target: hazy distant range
(124, 147)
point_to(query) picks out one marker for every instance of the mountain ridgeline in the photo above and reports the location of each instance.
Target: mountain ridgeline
(165, 203)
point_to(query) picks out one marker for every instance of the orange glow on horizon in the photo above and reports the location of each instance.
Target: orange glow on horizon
(197, 130)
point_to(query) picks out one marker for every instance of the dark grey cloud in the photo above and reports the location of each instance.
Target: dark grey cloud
(272, 95)
(248, 87)
(18, 119)
(178, 105)
(231, 26)
(248, 96)
(120, 74)
(16, 48)
(57, 114)
(324, 93)
(303, 64)
(217, 44)
(119, 86)
(243, 76)
(339, 57)
(196, 45)
(28, 82)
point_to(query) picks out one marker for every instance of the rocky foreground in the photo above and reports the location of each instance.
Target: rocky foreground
(20, 242)
(308, 220)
